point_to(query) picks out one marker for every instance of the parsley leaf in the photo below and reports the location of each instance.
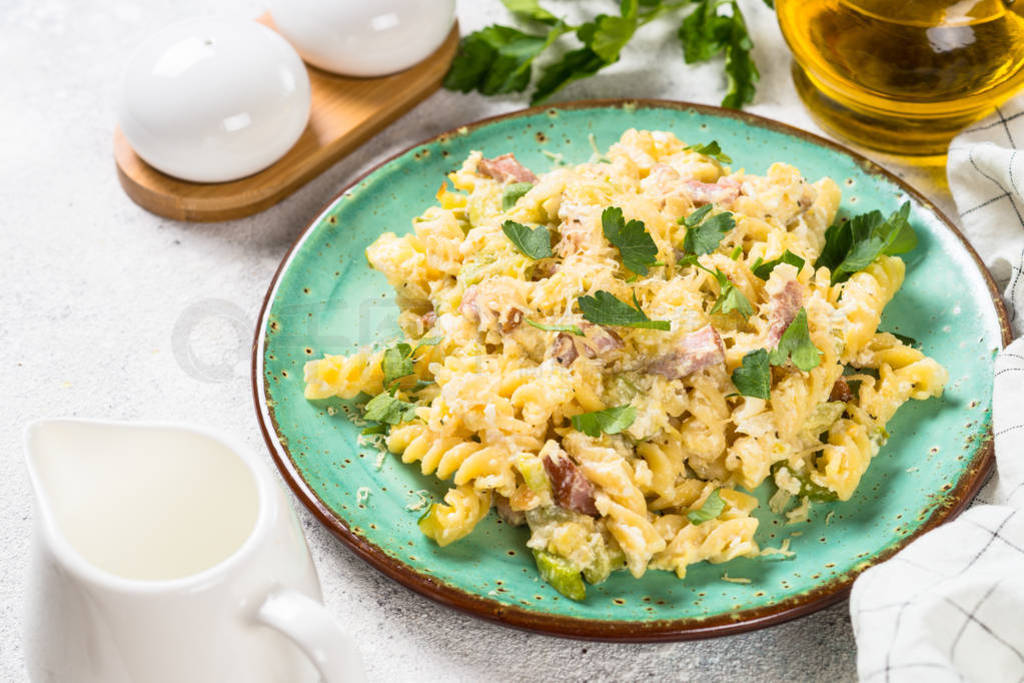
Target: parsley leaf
(636, 246)
(754, 377)
(796, 345)
(603, 40)
(532, 242)
(386, 408)
(712, 150)
(572, 329)
(530, 10)
(704, 234)
(512, 194)
(609, 421)
(730, 297)
(907, 341)
(696, 216)
(712, 507)
(763, 269)
(397, 363)
(604, 309)
(852, 246)
(498, 59)
(706, 33)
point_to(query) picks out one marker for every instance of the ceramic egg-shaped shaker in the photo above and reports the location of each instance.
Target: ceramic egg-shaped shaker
(364, 38)
(212, 100)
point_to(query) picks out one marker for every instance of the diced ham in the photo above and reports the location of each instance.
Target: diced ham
(468, 307)
(564, 350)
(841, 391)
(696, 351)
(505, 511)
(571, 490)
(574, 237)
(506, 169)
(785, 304)
(600, 339)
(725, 191)
(511, 320)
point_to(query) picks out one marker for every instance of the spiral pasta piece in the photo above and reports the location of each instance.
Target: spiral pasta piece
(344, 376)
(463, 508)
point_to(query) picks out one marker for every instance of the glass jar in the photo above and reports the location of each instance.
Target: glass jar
(904, 76)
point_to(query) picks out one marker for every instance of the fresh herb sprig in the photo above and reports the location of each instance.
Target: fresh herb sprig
(754, 376)
(635, 244)
(499, 59)
(703, 232)
(710, 149)
(607, 421)
(730, 297)
(711, 509)
(603, 308)
(852, 246)
(532, 242)
(763, 269)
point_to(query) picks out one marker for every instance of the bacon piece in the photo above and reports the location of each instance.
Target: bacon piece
(841, 391)
(506, 169)
(725, 191)
(571, 489)
(696, 351)
(785, 305)
(564, 350)
(429, 319)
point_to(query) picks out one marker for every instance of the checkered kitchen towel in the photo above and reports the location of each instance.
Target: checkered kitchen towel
(950, 606)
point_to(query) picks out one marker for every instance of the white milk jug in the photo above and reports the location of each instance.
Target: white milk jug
(165, 554)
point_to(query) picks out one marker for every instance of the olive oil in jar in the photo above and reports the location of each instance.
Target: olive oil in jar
(904, 76)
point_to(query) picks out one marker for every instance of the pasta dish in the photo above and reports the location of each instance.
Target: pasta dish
(617, 353)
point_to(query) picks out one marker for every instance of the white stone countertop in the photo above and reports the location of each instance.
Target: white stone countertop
(95, 289)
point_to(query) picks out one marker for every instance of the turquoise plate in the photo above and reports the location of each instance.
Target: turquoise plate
(324, 298)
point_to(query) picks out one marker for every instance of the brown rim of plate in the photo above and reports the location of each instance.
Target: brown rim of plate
(623, 631)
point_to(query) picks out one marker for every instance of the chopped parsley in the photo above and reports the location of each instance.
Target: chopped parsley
(635, 244)
(712, 150)
(512, 193)
(387, 409)
(853, 245)
(712, 507)
(604, 309)
(704, 233)
(730, 297)
(397, 361)
(532, 242)
(763, 269)
(572, 329)
(754, 377)
(796, 345)
(608, 421)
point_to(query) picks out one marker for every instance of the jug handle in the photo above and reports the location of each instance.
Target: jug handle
(310, 626)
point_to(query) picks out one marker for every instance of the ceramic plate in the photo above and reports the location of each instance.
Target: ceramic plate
(324, 298)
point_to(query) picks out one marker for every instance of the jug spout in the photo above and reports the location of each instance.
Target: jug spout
(140, 502)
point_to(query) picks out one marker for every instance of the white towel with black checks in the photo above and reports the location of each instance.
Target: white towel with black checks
(950, 606)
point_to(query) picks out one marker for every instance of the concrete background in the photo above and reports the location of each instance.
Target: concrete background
(95, 290)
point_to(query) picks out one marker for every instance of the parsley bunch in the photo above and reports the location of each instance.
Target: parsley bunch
(499, 59)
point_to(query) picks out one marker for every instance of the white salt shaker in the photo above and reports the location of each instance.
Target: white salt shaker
(364, 37)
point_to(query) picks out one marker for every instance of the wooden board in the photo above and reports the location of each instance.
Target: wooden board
(345, 112)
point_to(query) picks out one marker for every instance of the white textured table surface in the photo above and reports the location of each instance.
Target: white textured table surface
(109, 311)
